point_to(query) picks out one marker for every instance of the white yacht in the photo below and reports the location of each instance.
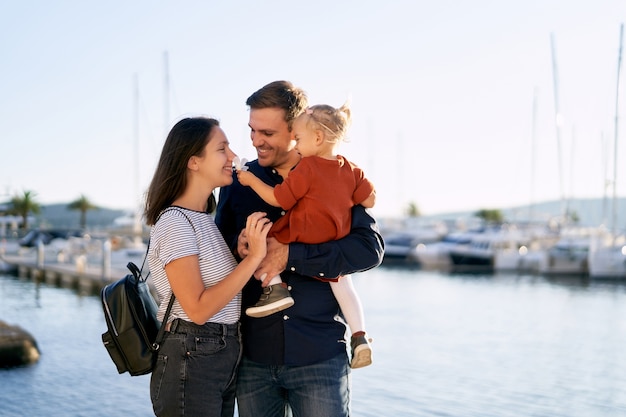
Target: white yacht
(607, 256)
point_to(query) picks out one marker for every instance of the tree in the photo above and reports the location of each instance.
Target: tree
(412, 210)
(83, 205)
(24, 205)
(490, 215)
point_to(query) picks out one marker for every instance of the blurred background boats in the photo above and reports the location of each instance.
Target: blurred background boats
(509, 247)
(607, 254)
(547, 245)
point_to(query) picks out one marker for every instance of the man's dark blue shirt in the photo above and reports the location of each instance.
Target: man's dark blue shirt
(308, 332)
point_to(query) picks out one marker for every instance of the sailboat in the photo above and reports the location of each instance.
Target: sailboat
(569, 255)
(137, 247)
(607, 254)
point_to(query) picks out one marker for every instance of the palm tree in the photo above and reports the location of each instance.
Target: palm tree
(413, 210)
(84, 205)
(24, 205)
(490, 215)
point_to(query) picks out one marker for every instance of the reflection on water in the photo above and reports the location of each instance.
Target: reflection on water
(444, 345)
(74, 376)
(492, 345)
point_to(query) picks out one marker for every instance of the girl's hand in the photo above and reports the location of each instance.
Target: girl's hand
(257, 227)
(245, 177)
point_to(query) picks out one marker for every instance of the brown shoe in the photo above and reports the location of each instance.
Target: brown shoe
(274, 298)
(361, 350)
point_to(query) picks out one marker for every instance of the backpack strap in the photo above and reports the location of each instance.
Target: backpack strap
(159, 337)
(160, 214)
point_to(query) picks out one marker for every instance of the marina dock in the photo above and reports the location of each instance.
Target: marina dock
(87, 280)
(87, 275)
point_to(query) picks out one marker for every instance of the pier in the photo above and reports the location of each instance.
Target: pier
(87, 280)
(86, 274)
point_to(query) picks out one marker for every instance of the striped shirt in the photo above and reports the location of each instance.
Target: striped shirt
(173, 237)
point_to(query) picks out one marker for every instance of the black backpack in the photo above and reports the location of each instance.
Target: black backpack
(134, 333)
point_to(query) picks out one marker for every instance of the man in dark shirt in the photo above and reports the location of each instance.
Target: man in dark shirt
(295, 360)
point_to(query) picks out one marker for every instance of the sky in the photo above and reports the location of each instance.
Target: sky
(454, 102)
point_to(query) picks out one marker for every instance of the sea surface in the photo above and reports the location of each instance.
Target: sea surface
(444, 345)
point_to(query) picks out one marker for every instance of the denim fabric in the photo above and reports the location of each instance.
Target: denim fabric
(196, 369)
(318, 390)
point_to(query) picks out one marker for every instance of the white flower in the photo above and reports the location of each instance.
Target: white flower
(240, 164)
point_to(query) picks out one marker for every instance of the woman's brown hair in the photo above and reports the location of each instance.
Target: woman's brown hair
(187, 138)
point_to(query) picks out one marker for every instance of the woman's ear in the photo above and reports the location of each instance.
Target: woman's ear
(192, 164)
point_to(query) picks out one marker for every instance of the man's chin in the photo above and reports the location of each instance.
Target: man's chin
(264, 159)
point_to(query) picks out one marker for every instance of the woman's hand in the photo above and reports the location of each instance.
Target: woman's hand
(255, 234)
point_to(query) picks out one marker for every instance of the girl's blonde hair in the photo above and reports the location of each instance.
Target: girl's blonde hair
(334, 122)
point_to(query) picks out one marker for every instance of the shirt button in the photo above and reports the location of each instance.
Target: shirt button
(282, 213)
(293, 269)
(285, 317)
(321, 274)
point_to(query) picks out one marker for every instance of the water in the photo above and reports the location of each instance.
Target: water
(444, 345)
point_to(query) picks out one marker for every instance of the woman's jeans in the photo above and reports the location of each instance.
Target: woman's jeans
(318, 390)
(196, 370)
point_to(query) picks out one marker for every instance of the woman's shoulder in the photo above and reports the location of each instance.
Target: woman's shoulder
(175, 216)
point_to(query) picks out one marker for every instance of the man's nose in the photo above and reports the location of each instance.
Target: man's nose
(256, 140)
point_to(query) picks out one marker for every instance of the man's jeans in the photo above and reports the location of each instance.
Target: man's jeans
(318, 390)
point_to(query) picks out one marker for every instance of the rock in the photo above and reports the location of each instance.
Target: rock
(17, 347)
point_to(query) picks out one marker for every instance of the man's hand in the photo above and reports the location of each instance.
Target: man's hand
(242, 244)
(274, 263)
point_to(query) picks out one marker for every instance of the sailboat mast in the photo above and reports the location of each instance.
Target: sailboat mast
(615, 140)
(137, 218)
(166, 93)
(605, 179)
(533, 140)
(558, 119)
